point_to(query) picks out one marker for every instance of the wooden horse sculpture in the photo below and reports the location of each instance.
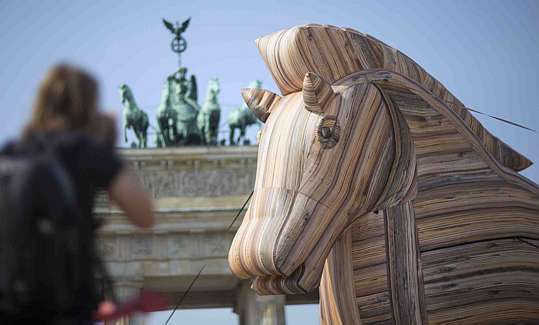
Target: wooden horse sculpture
(376, 185)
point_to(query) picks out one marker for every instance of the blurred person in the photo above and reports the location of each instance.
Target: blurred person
(66, 122)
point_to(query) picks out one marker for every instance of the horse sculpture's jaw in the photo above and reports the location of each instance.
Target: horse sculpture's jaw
(272, 242)
(275, 244)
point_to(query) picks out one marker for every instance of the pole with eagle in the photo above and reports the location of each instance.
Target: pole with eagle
(178, 44)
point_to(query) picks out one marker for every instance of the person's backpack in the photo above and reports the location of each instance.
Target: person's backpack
(48, 260)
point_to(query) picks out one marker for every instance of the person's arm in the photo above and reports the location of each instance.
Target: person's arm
(128, 193)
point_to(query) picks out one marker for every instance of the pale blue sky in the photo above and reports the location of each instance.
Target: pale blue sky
(485, 52)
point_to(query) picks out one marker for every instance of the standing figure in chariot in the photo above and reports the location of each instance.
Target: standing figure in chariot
(184, 103)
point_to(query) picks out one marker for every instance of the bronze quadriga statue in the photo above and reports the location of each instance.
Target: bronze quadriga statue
(375, 184)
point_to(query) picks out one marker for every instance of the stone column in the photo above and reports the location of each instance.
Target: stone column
(125, 290)
(253, 309)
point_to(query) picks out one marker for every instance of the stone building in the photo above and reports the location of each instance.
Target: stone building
(197, 191)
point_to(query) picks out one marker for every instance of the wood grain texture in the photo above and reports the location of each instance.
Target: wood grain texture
(392, 81)
(369, 262)
(338, 306)
(335, 53)
(372, 176)
(404, 271)
(260, 101)
(317, 93)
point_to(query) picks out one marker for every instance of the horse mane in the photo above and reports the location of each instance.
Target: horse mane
(334, 53)
(130, 97)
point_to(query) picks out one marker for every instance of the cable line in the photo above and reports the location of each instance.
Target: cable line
(204, 266)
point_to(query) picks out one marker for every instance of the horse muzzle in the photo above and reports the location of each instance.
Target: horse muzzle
(277, 236)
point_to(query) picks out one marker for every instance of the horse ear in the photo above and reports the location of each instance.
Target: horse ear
(317, 93)
(260, 101)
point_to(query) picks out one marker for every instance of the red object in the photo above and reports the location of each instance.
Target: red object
(146, 302)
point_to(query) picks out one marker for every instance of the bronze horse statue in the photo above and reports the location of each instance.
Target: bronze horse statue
(210, 114)
(240, 118)
(134, 117)
(377, 186)
(167, 116)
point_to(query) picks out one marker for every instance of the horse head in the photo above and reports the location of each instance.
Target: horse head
(213, 90)
(325, 157)
(127, 97)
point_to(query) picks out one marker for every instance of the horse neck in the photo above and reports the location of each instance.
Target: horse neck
(362, 236)
(385, 240)
(211, 98)
(131, 104)
(337, 291)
